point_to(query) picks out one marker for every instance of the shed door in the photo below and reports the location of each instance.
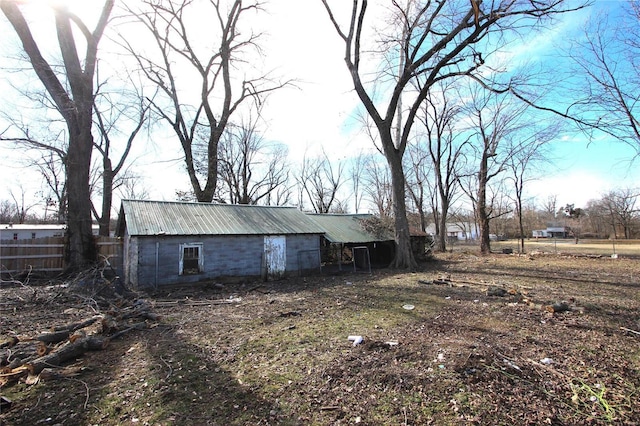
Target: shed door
(275, 256)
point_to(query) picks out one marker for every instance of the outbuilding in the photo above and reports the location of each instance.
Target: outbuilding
(168, 242)
(346, 239)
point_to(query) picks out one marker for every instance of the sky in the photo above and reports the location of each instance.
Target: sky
(319, 111)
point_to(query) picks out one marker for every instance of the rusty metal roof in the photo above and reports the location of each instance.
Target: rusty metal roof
(345, 228)
(183, 218)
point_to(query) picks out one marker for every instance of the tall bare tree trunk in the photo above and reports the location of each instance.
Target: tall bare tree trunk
(404, 255)
(81, 249)
(74, 102)
(481, 206)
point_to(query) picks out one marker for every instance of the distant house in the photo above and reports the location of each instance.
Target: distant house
(178, 242)
(552, 231)
(457, 231)
(23, 231)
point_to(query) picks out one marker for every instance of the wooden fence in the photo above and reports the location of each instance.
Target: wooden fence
(47, 254)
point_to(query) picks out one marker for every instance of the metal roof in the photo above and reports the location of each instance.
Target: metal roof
(345, 228)
(182, 218)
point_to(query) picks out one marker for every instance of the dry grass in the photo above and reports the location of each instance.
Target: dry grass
(279, 354)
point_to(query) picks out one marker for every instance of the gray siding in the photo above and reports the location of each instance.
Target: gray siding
(223, 256)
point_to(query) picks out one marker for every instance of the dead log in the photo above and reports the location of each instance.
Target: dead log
(42, 349)
(13, 376)
(8, 341)
(66, 353)
(22, 350)
(55, 337)
(558, 307)
(76, 325)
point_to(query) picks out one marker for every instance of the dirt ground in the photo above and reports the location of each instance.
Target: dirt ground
(465, 340)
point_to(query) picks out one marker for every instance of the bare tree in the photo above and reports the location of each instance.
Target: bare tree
(132, 187)
(21, 207)
(356, 170)
(550, 207)
(446, 146)
(112, 110)
(378, 187)
(418, 173)
(622, 207)
(217, 69)
(250, 168)
(496, 120)
(52, 169)
(526, 151)
(74, 102)
(7, 212)
(431, 42)
(319, 181)
(607, 57)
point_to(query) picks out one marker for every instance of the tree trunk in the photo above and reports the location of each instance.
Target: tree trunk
(483, 215)
(107, 197)
(442, 234)
(81, 249)
(520, 224)
(404, 255)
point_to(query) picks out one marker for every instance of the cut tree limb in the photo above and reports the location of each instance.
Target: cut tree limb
(77, 325)
(67, 352)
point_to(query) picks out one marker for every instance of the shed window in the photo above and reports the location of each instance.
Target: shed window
(191, 259)
(33, 235)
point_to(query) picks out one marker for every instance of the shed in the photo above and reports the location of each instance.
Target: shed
(167, 242)
(345, 231)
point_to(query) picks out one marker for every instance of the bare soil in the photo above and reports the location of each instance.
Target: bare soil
(436, 349)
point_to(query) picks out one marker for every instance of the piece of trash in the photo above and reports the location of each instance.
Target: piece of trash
(5, 403)
(546, 361)
(391, 343)
(441, 357)
(448, 297)
(348, 283)
(441, 367)
(355, 339)
(614, 256)
(511, 364)
(408, 307)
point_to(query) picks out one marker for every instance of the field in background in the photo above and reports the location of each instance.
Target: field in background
(629, 248)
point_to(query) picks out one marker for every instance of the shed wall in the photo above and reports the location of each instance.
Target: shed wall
(223, 256)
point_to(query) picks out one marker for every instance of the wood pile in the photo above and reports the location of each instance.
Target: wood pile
(36, 357)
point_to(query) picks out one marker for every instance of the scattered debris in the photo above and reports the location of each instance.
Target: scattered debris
(546, 361)
(496, 291)
(408, 307)
(5, 403)
(630, 331)
(356, 340)
(290, 314)
(24, 358)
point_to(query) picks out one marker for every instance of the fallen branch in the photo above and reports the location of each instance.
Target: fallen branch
(66, 353)
(630, 330)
